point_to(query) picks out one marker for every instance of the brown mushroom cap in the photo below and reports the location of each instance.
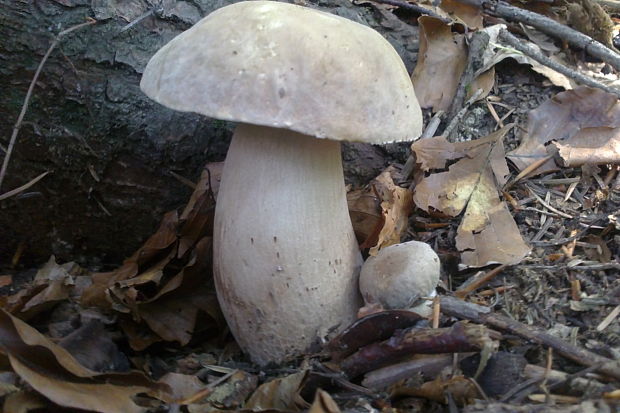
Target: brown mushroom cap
(399, 275)
(286, 66)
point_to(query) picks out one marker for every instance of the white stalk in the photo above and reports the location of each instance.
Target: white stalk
(286, 260)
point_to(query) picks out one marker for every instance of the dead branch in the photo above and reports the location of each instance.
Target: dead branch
(535, 54)
(460, 338)
(454, 307)
(414, 8)
(552, 28)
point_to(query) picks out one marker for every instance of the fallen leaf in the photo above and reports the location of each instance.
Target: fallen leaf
(24, 402)
(396, 205)
(365, 212)
(442, 57)
(323, 403)
(572, 155)
(281, 394)
(487, 232)
(53, 372)
(51, 285)
(468, 13)
(583, 117)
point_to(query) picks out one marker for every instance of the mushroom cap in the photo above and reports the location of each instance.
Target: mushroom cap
(399, 275)
(286, 66)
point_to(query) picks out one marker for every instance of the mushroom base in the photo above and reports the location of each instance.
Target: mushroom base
(286, 260)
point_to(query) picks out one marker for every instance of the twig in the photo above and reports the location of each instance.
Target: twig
(429, 132)
(414, 8)
(455, 120)
(20, 118)
(590, 267)
(454, 307)
(535, 54)
(22, 188)
(477, 45)
(553, 28)
(476, 281)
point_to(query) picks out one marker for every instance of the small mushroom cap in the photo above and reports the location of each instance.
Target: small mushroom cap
(286, 66)
(399, 275)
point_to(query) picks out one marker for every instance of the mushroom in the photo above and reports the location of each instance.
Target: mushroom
(400, 277)
(286, 261)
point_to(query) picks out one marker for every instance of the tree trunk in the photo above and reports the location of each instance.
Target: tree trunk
(111, 151)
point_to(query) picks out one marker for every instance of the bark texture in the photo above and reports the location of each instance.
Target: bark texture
(111, 149)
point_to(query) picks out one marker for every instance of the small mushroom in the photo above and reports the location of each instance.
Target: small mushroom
(400, 277)
(286, 261)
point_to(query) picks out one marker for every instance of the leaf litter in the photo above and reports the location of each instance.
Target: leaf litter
(162, 300)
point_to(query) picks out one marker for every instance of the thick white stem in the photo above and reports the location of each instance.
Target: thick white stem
(286, 260)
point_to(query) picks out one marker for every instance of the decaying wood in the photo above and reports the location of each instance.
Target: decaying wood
(459, 338)
(454, 307)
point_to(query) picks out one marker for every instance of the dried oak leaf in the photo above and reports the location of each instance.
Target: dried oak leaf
(281, 393)
(323, 403)
(55, 373)
(365, 212)
(487, 232)
(441, 61)
(396, 205)
(583, 117)
(51, 285)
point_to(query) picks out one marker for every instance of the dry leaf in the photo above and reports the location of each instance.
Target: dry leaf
(396, 205)
(470, 14)
(583, 117)
(51, 285)
(568, 155)
(165, 284)
(54, 373)
(281, 394)
(441, 61)
(24, 402)
(487, 233)
(366, 217)
(323, 403)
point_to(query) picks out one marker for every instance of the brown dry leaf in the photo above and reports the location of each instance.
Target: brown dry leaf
(365, 212)
(6, 280)
(571, 155)
(24, 402)
(487, 233)
(396, 205)
(582, 117)
(164, 285)
(470, 14)
(52, 284)
(323, 403)
(441, 61)
(54, 373)
(281, 394)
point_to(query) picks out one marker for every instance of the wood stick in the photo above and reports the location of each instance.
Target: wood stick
(454, 307)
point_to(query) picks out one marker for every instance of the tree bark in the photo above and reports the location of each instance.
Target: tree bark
(110, 149)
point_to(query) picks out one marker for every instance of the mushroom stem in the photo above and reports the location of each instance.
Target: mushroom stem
(286, 260)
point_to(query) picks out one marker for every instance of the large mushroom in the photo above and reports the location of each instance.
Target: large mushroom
(286, 261)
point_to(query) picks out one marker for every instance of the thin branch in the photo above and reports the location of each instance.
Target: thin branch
(535, 54)
(555, 29)
(414, 8)
(20, 118)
